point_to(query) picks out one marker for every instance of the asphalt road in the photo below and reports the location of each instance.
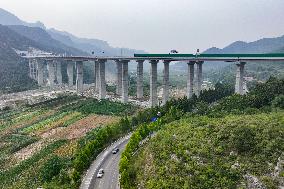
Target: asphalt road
(109, 162)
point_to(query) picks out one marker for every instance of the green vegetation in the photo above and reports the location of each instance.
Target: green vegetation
(217, 142)
(36, 148)
(204, 152)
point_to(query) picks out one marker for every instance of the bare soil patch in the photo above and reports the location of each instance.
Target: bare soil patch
(30, 150)
(79, 128)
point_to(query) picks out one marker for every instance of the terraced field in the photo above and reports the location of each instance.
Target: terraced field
(30, 137)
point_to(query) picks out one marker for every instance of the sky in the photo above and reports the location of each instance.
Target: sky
(158, 26)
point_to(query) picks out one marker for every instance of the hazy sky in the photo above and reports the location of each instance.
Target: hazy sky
(158, 25)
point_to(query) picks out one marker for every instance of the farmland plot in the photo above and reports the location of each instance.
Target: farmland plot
(34, 137)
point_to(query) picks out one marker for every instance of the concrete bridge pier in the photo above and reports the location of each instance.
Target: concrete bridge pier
(58, 73)
(40, 76)
(140, 79)
(33, 68)
(97, 76)
(124, 97)
(119, 78)
(153, 83)
(190, 78)
(166, 82)
(102, 79)
(79, 76)
(199, 77)
(51, 72)
(239, 87)
(70, 73)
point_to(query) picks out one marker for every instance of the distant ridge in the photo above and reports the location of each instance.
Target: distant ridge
(7, 18)
(99, 47)
(18, 34)
(43, 38)
(265, 45)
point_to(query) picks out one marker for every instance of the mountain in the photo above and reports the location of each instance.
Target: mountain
(40, 36)
(266, 45)
(281, 50)
(21, 35)
(99, 47)
(13, 70)
(258, 70)
(7, 18)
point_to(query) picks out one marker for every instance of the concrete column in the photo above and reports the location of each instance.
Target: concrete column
(70, 73)
(97, 75)
(199, 78)
(79, 76)
(124, 96)
(33, 68)
(58, 73)
(30, 68)
(51, 72)
(239, 87)
(40, 68)
(140, 79)
(102, 85)
(153, 83)
(119, 78)
(166, 82)
(190, 78)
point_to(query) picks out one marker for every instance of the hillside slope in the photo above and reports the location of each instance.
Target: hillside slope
(13, 69)
(42, 37)
(38, 143)
(218, 140)
(231, 152)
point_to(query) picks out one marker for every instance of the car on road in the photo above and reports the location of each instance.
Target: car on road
(100, 173)
(114, 151)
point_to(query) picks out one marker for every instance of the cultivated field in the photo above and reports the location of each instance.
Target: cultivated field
(31, 137)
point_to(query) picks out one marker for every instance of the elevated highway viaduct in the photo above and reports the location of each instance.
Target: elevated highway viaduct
(53, 64)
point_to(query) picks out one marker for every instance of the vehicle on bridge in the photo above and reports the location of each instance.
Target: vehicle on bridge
(173, 51)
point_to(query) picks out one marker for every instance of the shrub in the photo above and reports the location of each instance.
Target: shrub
(243, 139)
(278, 102)
(51, 168)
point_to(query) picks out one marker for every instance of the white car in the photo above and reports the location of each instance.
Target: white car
(100, 173)
(114, 151)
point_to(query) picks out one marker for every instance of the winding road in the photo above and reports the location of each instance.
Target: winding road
(109, 162)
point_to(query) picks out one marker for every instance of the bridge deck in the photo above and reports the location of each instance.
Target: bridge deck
(173, 57)
(269, 55)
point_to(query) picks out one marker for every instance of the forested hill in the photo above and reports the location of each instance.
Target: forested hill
(14, 69)
(43, 38)
(215, 141)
